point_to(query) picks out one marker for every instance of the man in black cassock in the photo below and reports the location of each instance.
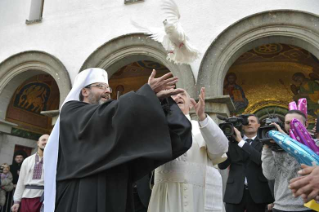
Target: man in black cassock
(106, 145)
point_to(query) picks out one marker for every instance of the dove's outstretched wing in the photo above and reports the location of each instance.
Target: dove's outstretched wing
(156, 34)
(171, 11)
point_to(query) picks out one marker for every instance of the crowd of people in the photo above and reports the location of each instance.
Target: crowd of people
(143, 152)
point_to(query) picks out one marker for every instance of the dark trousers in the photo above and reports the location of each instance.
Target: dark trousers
(247, 204)
(275, 210)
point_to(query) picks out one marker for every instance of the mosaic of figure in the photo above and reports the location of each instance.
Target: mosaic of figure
(307, 88)
(33, 97)
(235, 92)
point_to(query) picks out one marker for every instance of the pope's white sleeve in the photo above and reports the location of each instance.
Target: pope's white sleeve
(215, 139)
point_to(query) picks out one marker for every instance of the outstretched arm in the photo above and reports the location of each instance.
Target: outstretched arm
(215, 140)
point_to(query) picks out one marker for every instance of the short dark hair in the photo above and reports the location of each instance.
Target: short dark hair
(297, 112)
(81, 97)
(249, 115)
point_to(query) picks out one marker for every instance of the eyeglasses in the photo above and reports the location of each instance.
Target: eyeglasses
(101, 86)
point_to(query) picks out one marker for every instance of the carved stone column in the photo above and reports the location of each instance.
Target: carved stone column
(219, 105)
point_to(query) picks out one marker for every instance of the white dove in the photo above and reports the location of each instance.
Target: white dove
(173, 37)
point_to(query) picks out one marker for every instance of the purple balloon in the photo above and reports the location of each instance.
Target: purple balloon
(292, 135)
(302, 135)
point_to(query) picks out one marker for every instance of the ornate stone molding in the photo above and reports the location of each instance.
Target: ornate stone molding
(31, 63)
(279, 26)
(6, 127)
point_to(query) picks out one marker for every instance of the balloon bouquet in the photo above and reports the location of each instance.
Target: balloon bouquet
(299, 144)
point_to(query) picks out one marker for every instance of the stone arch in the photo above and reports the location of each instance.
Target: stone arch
(290, 27)
(126, 49)
(17, 68)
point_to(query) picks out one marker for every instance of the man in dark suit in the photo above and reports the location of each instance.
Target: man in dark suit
(247, 188)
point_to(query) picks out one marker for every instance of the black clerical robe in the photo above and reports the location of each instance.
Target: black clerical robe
(104, 148)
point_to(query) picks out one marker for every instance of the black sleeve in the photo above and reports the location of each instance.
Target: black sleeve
(226, 163)
(180, 128)
(253, 153)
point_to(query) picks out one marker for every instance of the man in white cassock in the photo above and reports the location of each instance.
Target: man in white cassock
(191, 183)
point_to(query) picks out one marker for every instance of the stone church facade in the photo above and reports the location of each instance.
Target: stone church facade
(44, 44)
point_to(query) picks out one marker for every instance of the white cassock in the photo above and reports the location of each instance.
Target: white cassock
(191, 183)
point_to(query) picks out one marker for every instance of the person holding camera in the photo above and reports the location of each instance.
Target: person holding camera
(282, 167)
(247, 188)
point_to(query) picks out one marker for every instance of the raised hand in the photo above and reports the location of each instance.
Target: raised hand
(164, 82)
(307, 185)
(200, 105)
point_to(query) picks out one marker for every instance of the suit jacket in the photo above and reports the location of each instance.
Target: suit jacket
(245, 162)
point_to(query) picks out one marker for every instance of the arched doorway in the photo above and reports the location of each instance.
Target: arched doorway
(288, 27)
(30, 82)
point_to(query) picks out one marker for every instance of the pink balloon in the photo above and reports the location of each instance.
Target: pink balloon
(292, 106)
(302, 105)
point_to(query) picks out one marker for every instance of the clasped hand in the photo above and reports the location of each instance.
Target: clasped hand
(163, 86)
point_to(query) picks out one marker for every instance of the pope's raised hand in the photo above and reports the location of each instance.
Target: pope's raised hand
(200, 105)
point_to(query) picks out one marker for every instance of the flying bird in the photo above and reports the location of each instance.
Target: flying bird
(172, 36)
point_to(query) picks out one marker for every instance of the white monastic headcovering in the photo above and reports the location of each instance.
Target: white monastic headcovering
(51, 150)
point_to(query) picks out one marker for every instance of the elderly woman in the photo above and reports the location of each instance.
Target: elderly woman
(6, 183)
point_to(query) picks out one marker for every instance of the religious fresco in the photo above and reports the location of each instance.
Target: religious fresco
(33, 97)
(36, 94)
(235, 92)
(273, 75)
(307, 88)
(131, 77)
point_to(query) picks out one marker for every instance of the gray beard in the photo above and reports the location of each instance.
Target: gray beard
(93, 100)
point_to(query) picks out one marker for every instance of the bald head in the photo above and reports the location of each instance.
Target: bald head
(43, 141)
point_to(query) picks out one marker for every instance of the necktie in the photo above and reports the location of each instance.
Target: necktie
(249, 141)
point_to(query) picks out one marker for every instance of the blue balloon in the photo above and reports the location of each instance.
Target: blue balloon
(302, 153)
